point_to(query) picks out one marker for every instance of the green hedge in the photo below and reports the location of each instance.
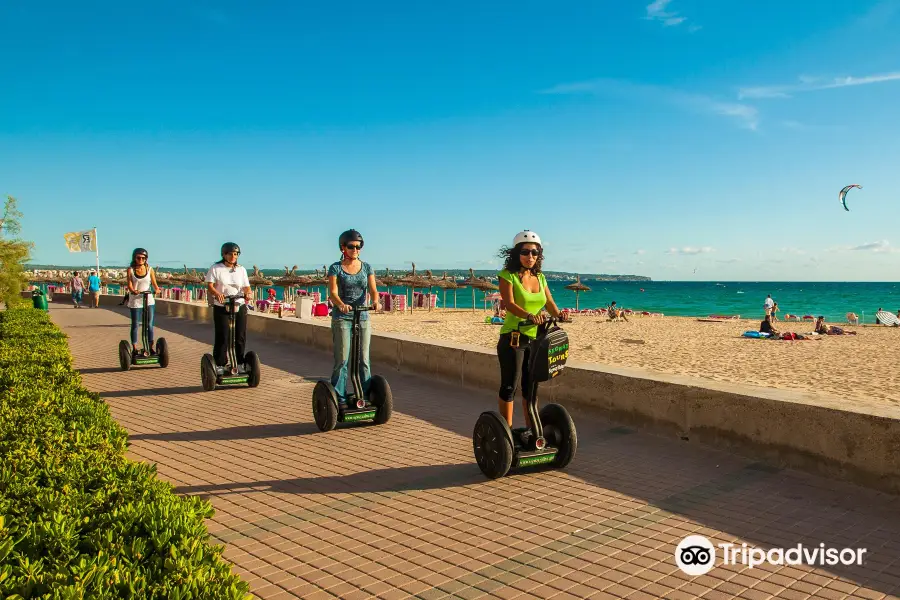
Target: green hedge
(78, 519)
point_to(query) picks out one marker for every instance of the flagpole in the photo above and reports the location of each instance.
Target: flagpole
(97, 249)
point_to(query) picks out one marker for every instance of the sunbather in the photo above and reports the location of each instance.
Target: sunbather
(766, 326)
(823, 329)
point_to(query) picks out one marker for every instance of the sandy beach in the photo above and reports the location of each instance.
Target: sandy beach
(858, 368)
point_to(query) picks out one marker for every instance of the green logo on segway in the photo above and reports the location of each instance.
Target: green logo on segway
(348, 418)
(238, 379)
(540, 459)
(146, 361)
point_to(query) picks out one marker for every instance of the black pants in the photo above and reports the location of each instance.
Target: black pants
(513, 364)
(220, 347)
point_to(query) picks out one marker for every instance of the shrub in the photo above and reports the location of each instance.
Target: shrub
(78, 519)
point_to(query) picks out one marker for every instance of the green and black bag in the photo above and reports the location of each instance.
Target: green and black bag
(549, 352)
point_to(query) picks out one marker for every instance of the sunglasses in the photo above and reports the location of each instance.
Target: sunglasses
(141, 257)
(233, 252)
(529, 253)
(354, 247)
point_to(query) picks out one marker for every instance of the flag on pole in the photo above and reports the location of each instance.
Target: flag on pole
(81, 241)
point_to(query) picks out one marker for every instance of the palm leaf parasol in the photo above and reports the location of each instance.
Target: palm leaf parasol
(577, 287)
(479, 283)
(447, 284)
(257, 279)
(413, 282)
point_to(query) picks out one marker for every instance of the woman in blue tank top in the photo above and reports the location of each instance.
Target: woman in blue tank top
(348, 281)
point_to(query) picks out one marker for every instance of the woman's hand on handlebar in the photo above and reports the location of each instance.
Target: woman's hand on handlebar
(156, 290)
(345, 308)
(564, 316)
(220, 297)
(377, 306)
(536, 319)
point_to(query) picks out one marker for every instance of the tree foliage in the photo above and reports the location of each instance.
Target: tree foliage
(14, 253)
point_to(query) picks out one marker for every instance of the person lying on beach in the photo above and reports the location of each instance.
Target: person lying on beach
(766, 326)
(823, 329)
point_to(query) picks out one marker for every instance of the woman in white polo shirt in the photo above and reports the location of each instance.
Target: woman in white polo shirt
(227, 278)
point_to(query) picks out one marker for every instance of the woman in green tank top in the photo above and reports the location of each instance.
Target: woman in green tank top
(524, 293)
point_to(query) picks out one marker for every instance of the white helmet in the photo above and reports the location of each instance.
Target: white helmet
(526, 237)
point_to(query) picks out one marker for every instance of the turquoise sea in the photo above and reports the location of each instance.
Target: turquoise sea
(700, 299)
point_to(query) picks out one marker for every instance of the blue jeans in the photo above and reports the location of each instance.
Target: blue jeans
(136, 315)
(77, 296)
(341, 333)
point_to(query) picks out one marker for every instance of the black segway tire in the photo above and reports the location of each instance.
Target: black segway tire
(208, 372)
(325, 406)
(559, 431)
(253, 368)
(124, 355)
(162, 351)
(492, 443)
(381, 397)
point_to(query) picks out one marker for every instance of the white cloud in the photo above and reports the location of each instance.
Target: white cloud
(745, 115)
(688, 250)
(882, 246)
(879, 247)
(810, 84)
(656, 11)
(639, 252)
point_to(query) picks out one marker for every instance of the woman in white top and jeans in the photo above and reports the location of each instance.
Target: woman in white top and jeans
(140, 278)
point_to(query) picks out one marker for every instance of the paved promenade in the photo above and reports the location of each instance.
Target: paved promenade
(402, 510)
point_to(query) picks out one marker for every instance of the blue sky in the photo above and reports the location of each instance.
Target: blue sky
(656, 139)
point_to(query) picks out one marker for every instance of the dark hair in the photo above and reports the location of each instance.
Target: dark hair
(513, 263)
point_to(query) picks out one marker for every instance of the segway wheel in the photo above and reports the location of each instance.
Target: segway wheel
(253, 367)
(491, 441)
(124, 355)
(325, 406)
(559, 430)
(208, 372)
(380, 396)
(162, 351)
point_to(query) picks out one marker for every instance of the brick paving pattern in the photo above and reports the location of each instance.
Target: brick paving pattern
(402, 510)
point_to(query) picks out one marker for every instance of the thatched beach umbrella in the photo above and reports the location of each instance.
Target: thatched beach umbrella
(480, 283)
(387, 281)
(257, 279)
(447, 284)
(413, 282)
(290, 279)
(577, 287)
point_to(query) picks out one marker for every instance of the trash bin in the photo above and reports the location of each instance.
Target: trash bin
(303, 307)
(39, 300)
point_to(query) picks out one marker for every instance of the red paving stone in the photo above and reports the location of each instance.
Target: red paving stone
(402, 511)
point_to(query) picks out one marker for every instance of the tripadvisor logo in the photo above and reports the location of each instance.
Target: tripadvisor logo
(696, 555)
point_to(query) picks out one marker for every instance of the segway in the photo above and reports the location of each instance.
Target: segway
(232, 373)
(377, 407)
(552, 439)
(129, 357)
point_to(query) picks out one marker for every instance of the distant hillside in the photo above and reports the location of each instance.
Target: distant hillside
(437, 272)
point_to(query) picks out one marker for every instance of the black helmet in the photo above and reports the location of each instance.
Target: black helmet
(136, 251)
(230, 247)
(351, 235)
